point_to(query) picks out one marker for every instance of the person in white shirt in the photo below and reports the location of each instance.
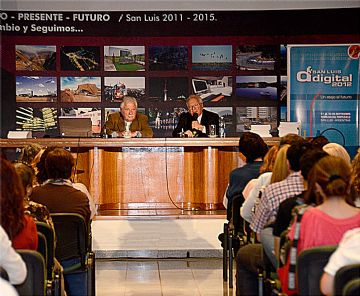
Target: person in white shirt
(347, 253)
(11, 261)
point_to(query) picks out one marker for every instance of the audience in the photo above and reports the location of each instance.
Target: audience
(274, 194)
(250, 257)
(335, 213)
(347, 253)
(20, 228)
(285, 212)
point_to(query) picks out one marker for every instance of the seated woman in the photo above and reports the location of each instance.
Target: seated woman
(42, 177)
(20, 228)
(29, 152)
(38, 211)
(57, 193)
(334, 213)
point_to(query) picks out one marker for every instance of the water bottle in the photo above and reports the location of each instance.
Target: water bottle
(221, 127)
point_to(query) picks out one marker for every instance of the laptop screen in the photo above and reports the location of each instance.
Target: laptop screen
(75, 127)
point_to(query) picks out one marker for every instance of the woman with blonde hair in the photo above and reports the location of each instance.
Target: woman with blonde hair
(252, 189)
(336, 149)
(281, 168)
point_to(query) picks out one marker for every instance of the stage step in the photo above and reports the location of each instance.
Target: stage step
(157, 237)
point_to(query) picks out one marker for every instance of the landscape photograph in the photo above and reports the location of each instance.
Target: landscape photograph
(168, 88)
(80, 89)
(256, 87)
(80, 58)
(124, 58)
(168, 58)
(116, 88)
(35, 57)
(256, 57)
(212, 57)
(36, 89)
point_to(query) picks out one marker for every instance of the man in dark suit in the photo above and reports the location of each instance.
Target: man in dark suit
(196, 122)
(128, 123)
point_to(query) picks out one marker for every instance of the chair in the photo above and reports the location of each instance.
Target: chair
(47, 249)
(235, 235)
(73, 249)
(35, 282)
(45, 230)
(344, 275)
(352, 288)
(310, 267)
(42, 247)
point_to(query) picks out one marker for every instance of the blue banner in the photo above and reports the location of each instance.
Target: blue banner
(324, 91)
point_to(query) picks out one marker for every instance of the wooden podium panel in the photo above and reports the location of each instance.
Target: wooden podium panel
(151, 173)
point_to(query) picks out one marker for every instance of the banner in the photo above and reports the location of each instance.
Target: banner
(324, 91)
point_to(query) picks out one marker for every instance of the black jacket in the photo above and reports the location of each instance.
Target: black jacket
(207, 119)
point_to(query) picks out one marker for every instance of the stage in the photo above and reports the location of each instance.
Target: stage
(158, 234)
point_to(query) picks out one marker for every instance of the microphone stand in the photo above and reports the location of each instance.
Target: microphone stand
(103, 130)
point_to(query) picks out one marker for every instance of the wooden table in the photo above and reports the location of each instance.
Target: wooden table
(146, 173)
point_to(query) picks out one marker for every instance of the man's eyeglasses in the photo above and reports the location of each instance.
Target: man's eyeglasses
(195, 106)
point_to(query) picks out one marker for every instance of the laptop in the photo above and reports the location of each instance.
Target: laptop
(75, 127)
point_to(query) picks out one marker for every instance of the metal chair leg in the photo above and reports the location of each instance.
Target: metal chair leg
(230, 261)
(225, 251)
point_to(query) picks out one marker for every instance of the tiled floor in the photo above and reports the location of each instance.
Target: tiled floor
(167, 277)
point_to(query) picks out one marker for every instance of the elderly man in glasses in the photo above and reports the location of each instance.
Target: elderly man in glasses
(128, 123)
(197, 121)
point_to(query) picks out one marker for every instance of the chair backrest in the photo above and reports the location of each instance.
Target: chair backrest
(352, 288)
(47, 231)
(345, 275)
(35, 282)
(72, 236)
(310, 267)
(236, 218)
(42, 247)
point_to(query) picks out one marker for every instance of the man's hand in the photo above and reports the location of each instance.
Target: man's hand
(189, 134)
(196, 125)
(127, 134)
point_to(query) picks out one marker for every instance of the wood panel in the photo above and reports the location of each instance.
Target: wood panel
(152, 173)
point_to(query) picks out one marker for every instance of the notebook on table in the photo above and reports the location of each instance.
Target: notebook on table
(75, 127)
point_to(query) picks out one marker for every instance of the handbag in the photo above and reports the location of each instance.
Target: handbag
(287, 272)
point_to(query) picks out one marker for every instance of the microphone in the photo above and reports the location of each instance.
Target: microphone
(104, 134)
(195, 131)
